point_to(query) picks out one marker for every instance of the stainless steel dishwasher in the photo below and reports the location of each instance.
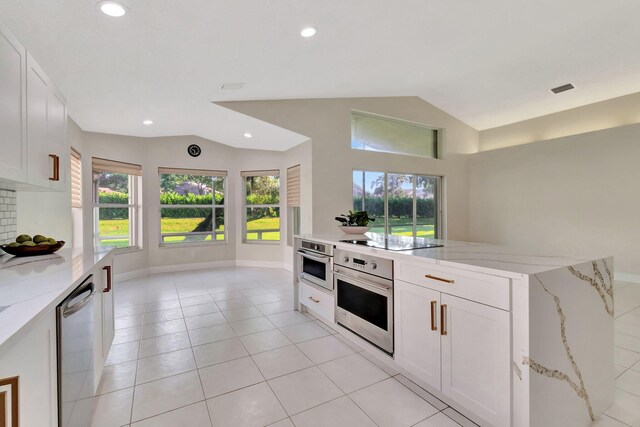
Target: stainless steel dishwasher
(75, 334)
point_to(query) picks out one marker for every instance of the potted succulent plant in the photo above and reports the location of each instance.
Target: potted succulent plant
(356, 222)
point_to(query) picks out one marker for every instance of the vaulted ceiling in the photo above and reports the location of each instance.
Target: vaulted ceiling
(487, 63)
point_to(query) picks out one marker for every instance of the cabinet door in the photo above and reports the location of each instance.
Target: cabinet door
(40, 164)
(417, 336)
(108, 316)
(476, 356)
(13, 138)
(57, 138)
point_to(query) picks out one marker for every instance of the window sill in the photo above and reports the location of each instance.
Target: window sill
(192, 244)
(262, 242)
(117, 251)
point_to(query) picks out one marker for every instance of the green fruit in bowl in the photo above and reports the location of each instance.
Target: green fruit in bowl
(28, 243)
(53, 241)
(45, 243)
(39, 238)
(14, 245)
(23, 238)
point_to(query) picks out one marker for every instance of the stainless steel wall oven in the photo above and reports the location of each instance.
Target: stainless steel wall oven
(364, 296)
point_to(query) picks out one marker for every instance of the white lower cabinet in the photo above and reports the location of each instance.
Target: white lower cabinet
(475, 352)
(108, 314)
(456, 346)
(417, 335)
(319, 302)
(28, 376)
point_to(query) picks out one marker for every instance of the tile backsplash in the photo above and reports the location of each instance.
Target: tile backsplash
(8, 216)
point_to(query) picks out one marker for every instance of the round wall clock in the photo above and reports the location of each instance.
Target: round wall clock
(194, 150)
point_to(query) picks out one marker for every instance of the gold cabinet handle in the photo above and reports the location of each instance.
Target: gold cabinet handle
(443, 319)
(429, 276)
(434, 327)
(56, 168)
(107, 268)
(316, 300)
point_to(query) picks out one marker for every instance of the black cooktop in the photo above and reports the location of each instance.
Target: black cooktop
(395, 243)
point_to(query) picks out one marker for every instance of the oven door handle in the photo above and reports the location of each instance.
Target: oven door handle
(322, 259)
(366, 285)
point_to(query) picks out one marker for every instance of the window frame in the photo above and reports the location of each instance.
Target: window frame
(245, 206)
(133, 206)
(439, 228)
(213, 206)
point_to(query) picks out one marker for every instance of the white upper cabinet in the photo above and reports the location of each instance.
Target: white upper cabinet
(13, 137)
(47, 147)
(33, 121)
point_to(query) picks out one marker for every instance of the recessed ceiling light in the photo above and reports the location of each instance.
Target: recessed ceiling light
(247, 135)
(308, 32)
(147, 122)
(112, 8)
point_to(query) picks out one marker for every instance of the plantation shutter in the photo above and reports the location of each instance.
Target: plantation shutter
(272, 172)
(105, 165)
(293, 186)
(76, 179)
(200, 172)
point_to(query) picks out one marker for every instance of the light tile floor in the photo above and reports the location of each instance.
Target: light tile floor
(223, 347)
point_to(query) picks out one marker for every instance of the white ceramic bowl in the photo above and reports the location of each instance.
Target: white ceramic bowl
(353, 229)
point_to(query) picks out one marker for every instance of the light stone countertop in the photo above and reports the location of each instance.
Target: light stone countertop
(30, 287)
(484, 258)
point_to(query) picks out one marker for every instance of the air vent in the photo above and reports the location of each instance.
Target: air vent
(232, 86)
(562, 88)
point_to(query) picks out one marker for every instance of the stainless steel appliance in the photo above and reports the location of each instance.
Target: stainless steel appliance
(315, 263)
(364, 296)
(75, 334)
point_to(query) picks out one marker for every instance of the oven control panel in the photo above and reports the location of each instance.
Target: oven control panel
(371, 264)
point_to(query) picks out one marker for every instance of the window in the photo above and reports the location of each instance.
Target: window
(261, 206)
(76, 180)
(293, 203)
(192, 206)
(115, 204)
(402, 204)
(370, 132)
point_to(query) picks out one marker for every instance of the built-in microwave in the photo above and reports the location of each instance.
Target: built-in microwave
(315, 263)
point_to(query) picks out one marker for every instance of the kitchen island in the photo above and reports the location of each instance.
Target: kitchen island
(30, 290)
(507, 337)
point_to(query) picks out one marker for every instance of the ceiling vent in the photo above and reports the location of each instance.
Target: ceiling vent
(232, 86)
(562, 88)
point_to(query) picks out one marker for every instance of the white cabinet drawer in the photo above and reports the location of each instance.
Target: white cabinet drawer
(319, 302)
(483, 288)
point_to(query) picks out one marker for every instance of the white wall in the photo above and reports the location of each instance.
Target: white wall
(327, 122)
(607, 114)
(576, 195)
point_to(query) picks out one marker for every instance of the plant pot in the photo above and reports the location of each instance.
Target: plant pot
(353, 229)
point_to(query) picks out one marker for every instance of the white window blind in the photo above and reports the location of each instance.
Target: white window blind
(293, 186)
(104, 165)
(200, 172)
(76, 179)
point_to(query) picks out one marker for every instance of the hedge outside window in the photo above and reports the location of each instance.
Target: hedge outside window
(115, 203)
(261, 206)
(192, 206)
(402, 204)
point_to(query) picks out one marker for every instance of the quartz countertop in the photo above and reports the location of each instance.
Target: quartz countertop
(484, 258)
(33, 286)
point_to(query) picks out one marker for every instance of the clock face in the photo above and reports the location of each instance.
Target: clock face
(194, 150)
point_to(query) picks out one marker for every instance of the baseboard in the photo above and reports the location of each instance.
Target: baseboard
(131, 275)
(190, 267)
(627, 277)
(259, 264)
(200, 266)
